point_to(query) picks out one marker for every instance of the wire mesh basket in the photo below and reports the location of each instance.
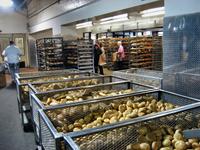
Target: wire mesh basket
(170, 76)
(188, 83)
(169, 81)
(22, 83)
(70, 83)
(147, 77)
(131, 134)
(43, 73)
(23, 96)
(83, 94)
(49, 125)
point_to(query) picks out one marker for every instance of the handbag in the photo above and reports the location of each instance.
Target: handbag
(114, 57)
(102, 59)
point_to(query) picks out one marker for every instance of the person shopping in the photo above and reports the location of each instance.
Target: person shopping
(120, 56)
(97, 53)
(12, 53)
(102, 59)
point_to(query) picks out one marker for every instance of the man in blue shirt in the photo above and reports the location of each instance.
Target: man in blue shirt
(12, 54)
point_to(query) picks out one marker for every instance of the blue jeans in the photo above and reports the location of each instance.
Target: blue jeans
(13, 68)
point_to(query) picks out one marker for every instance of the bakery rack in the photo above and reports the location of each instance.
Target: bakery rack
(141, 55)
(157, 53)
(79, 54)
(50, 53)
(113, 47)
(141, 52)
(85, 55)
(70, 54)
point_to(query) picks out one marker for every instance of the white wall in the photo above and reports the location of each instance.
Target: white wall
(97, 8)
(70, 33)
(43, 34)
(181, 7)
(12, 22)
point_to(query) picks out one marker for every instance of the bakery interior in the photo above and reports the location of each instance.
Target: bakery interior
(99, 75)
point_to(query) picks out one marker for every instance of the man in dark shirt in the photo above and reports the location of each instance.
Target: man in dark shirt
(97, 53)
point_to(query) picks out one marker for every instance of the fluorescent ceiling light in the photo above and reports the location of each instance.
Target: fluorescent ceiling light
(160, 33)
(114, 17)
(158, 13)
(79, 27)
(84, 25)
(6, 3)
(152, 10)
(122, 17)
(115, 20)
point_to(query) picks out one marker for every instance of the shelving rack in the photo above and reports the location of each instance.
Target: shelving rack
(50, 53)
(85, 55)
(105, 43)
(70, 54)
(113, 48)
(157, 53)
(141, 52)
